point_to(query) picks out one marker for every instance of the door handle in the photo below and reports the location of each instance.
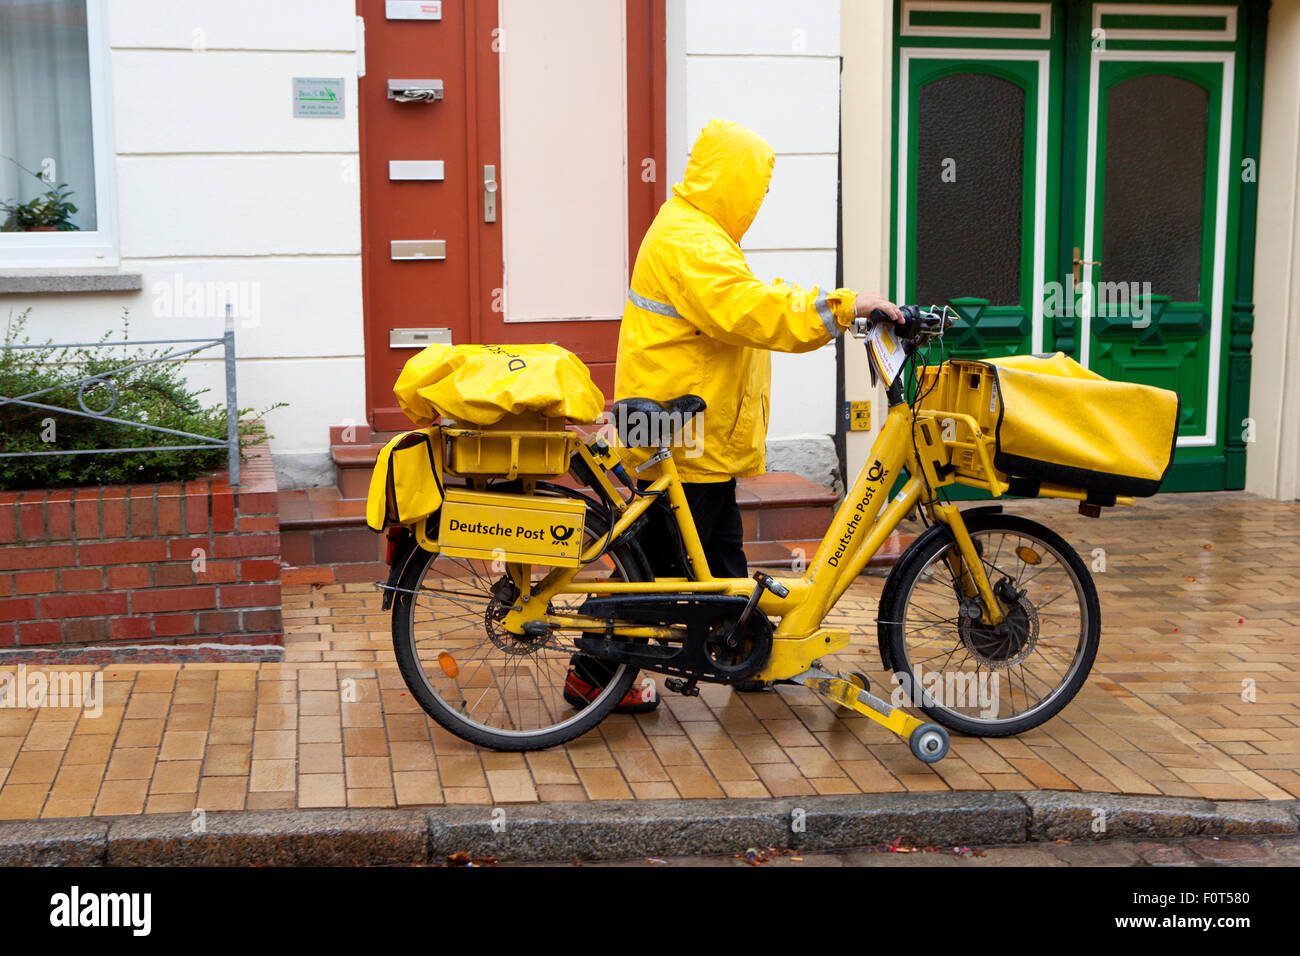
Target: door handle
(489, 194)
(1080, 262)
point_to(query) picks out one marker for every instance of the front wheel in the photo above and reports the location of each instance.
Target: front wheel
(981, 680)
(478, 680)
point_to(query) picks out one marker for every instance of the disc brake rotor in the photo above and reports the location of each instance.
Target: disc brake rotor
(1005, 645)
(504, 595)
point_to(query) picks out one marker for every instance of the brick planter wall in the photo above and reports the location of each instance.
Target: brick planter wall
(197, 563)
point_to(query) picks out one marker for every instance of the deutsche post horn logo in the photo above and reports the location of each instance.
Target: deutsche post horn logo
(561, 533)
(877, 471)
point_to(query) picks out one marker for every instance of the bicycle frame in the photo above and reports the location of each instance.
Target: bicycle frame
(937, 445)
(860, 527)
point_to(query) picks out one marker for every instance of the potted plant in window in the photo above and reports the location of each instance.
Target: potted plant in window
(49, 212)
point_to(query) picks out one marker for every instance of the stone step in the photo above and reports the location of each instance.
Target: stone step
(353, 465)
(775, 507)
(791, 557)
(784, 517)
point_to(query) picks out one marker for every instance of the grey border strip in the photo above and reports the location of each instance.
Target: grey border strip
(650, 305)
(613, 830)
(19, 283)
(827, 316)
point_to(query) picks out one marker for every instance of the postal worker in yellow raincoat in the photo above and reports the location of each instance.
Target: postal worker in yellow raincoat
(698, 322)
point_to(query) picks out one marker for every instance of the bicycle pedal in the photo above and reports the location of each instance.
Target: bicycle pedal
(686, 688)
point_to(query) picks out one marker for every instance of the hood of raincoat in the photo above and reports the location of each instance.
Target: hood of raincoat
(728, 175)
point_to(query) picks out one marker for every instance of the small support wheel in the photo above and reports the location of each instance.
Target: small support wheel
(929, 743)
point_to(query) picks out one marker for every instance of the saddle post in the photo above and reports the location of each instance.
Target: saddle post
(681, 512)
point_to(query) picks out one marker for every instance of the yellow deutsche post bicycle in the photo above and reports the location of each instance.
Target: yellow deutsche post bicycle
(493, 593)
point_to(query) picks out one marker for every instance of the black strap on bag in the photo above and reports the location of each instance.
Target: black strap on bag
(1023, 487)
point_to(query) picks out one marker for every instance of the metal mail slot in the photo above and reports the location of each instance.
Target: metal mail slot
(400, 169)
(414, 91)
(413, 9)
(402, 249)
(417, 338)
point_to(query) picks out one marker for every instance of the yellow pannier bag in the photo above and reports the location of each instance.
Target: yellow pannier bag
(1060, 423)
(481, 384)
(406, 484)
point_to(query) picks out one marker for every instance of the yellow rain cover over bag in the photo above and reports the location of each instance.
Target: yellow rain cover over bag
(1063, 424)
(406, 484)
(481, 384)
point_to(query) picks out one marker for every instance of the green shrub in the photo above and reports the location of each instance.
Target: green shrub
(155, 394)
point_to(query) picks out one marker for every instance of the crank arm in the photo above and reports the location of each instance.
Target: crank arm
(850, 695)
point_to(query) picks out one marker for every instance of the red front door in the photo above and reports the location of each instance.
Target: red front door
(433, 263)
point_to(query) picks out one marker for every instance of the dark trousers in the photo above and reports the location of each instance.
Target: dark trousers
(717, 519)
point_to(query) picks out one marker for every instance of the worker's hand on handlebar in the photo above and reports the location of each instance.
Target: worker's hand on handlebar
(868, 302)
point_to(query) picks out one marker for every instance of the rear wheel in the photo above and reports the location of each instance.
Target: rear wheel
(992, 681)
(482, 683)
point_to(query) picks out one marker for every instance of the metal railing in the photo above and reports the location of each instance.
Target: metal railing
(231, 441)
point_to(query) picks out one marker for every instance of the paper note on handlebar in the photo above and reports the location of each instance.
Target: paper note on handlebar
(885, 352)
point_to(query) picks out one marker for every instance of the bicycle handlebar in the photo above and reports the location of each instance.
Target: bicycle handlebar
(919, 325)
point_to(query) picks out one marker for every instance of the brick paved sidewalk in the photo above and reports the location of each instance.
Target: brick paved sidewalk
(1198, 597)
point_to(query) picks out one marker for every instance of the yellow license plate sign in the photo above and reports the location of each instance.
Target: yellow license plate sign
(480, 524)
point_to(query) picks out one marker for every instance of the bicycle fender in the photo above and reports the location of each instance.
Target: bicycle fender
(406, 547)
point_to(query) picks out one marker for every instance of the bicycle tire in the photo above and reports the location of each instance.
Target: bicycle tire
(629, 565)
(979, 643)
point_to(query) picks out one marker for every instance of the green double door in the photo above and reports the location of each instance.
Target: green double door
(1080, 177)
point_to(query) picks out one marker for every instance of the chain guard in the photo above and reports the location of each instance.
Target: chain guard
(703, 656)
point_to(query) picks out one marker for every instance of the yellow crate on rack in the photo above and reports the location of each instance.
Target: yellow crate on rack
(963, 388)
(1043, 425)
(962, 397)
(528, 446)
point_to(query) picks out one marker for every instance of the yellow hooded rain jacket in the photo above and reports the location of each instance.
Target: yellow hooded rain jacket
(698, 322)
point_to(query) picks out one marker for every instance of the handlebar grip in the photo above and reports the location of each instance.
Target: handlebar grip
(911, 320)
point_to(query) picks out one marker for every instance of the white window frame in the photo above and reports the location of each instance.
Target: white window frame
(81, 249)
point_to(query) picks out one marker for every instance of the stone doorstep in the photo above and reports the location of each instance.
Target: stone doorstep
(354, 460)
(320, 530)
(625, 829)
(775, 507)
(324, 530)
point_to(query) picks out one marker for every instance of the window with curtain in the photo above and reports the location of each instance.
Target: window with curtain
(45, 107)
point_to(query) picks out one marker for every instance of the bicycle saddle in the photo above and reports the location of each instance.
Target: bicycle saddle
(645, 423)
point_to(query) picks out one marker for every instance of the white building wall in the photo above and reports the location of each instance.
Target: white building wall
(774, 67)
(221, 190)
(868, 139)
(1273, 459)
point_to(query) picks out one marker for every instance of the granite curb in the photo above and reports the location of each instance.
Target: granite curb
(612, 830)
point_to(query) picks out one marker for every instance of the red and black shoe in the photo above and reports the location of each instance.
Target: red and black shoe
(580, 690)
